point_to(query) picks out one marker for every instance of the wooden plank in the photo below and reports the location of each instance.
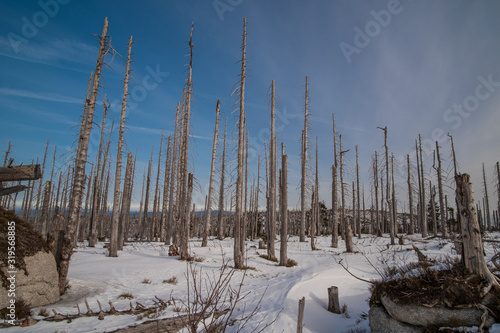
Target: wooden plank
(20, 172)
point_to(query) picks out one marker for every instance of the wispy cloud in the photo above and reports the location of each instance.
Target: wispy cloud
(40, 96)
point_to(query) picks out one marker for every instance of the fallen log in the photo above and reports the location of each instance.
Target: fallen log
(20, 172)
(13, 189)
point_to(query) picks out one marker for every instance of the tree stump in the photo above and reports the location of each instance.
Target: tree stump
(302, 304)
(333, 299)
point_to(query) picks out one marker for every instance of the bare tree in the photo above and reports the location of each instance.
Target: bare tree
(220, 213)
(303, 183)
(411, 228)
(173, 172)
(335, 227)
(79, 173)
(487, 201)
(144, 222)
(378, 228)
(441, 194)
(166, 182)
(343, 219)
(388, 184)
(358, 200)
(271, 254)
(422, 192)
(156, 201)
(208, 212)
(284, 207)
(113, 244)
(238, 255)
(126, 202)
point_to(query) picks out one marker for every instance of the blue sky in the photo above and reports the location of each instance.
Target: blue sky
(417, 67)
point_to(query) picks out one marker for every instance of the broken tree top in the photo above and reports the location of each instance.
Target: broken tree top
(20, 172)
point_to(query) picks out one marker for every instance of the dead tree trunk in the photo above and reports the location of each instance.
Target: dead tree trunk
(303, 184)
(388, 186)
(378, 228)
(126, 202)
(411, 228)
(79, 173)
(312, 218)
(271, 255)
(358, 221)
(156, 201)
(208, 212)
(144, 222)
(441, 194)
(284, 207)
(472, 246)
(238, 255)
(487, 201)
(39, 193)
(335, 226)
(498, 190)
(97, 184)
(422, 192)
(220, 212)
(45, 209)
(432, 190)
(113, 244)
(183, 249)
(173, 173)
(183, 206)
(344, 221)
(166, 181)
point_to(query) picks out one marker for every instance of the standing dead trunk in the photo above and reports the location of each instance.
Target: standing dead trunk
(498, 190)
(472, 246)
(166, 182)
(79, 173)
(144, 223)
(156, 200)
(388, 186)
(422, 192)
(312, 218)
(486, 201)
(126, 202)
(358, 221)
(441, 194)
(411, 228)
(115, 220)
(39, 193)
(335, 225)
(303, 183)
(394, 207)
(173, 173)
(184, 206)
(378, 227)
(271, 254)
(45, 208)
(432, 190)
(183, 249)
(238, 255)
(208, 212)
(220, 212)
(284, 207)
(343, 220)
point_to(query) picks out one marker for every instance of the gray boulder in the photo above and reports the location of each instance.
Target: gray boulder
(39, 287)
(381, 322)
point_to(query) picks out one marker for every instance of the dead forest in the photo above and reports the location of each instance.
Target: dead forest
(94, 196)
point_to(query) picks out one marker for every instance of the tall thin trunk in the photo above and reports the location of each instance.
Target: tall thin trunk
(39, 193)
(498, 190)
(346, 224)
(220, 212)
(126, 200)
(394, 207)
(257, 192)
(271, 254)
(388, 187)
(303, 183)
(411, 228)
(487, 201)
(238, 254)
(173, 173)
(183, 206)
(422, 193)
(335, 225)
(316, 188)
(358, 193)
(244, 223)
(79, 172)
(284, 207)
(312, 218)
(165, 233)
(45, 209)
(145, 219)
(208, 212)
(441, 195)
(378, 228)
(432, 190)
(156, 202)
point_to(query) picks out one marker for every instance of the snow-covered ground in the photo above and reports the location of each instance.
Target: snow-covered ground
(95, 276)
